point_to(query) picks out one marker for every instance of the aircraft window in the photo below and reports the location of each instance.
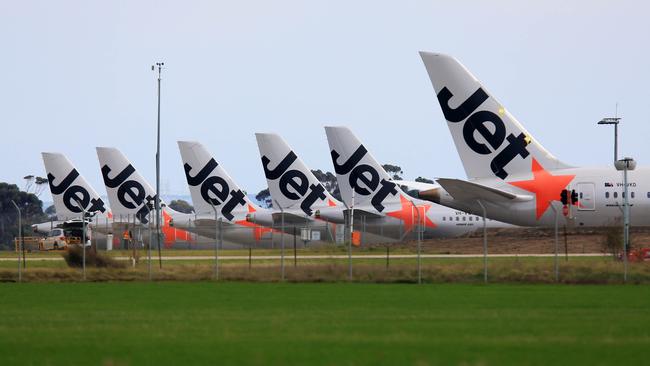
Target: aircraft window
(457, 218)
(648, 194)
(632, 194)
(451, 218)
(580, 195)
(444, 218)
(464, 218)
(622, 194)
(470, 218)
(606, 194)
(615, 194)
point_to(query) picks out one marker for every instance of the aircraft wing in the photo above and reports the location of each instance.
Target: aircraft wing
(469, 192)
(290, 217)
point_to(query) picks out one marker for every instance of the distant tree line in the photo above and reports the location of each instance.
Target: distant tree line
(30, 205)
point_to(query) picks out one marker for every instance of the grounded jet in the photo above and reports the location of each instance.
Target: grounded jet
(68, 186)
(129, 194)
(212, 188)
(381, 202)
(510, 173)
(72, 194)
(295, 189)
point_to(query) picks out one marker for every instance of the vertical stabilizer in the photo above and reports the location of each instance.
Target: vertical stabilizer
(291, 183)
(490, 141)
(356, 169)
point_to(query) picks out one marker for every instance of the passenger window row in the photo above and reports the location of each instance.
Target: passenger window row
(464, 218)
(615, 194)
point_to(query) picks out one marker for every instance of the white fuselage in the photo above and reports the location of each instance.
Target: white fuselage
(400, 220)
(600, 199)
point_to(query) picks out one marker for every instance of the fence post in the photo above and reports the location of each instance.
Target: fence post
(20, 239)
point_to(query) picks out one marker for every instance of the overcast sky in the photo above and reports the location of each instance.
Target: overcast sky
(76, 74)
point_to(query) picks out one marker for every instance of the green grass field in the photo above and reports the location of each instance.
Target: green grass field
(303, 324)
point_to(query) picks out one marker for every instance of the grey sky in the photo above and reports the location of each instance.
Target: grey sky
(76, 74)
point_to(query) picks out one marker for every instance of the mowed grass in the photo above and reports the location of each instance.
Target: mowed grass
(322, 324)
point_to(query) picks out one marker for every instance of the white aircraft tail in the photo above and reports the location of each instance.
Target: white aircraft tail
(489, 140)
(128, 192)
(291, 183)
(357, 169)
(210, 184)
(70, 191)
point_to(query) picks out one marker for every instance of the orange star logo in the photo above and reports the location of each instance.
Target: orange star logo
(408, 215)
(545, 186)
(171, 233)
(258, 230)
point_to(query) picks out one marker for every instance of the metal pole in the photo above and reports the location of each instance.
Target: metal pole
(626, 220)
(83, 236)
(351, 235)
(616, 141)
(219, 247)
(83, 239)
(419, 243)
(157, 203)
(281, 240)
(20, 240)
(556, 263)
(217, 231)
(149, 246)
(485, 258)
(147, 205)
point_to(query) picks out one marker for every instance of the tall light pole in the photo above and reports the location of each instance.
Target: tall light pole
(157, 201)
(149, 206)
(612, 121)
(20, 239)
(625, 164)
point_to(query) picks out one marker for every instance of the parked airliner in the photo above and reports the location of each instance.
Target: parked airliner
(511, 174)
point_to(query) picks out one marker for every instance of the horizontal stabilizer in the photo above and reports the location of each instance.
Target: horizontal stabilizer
(291, 218)
(469, 192)
(368, 214)
(420, 186)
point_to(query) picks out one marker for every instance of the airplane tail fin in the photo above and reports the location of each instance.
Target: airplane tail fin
(70, 190)
(356, 169)
(128, 191)
(290, 182)
(210, 185)
(489, 140)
